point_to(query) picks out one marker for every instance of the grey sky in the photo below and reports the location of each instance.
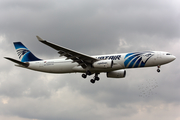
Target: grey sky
(91, 27)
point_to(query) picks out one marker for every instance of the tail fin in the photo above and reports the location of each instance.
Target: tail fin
(24, 54)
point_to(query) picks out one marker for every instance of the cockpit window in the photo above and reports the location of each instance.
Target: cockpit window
(168, 54)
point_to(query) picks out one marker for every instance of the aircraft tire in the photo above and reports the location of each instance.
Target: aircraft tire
(92, 81)
(158, 70)
(84, 76)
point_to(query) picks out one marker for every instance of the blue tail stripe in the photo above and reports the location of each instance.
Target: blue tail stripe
(29, 57)
(24, 54)
(19, 45)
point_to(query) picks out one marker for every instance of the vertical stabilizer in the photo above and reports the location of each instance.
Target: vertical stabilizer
(24, 54)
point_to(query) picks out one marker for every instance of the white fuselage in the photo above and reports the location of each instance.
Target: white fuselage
(120, 61)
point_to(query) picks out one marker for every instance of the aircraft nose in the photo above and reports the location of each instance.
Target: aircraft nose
(169, 58)
(173, 57)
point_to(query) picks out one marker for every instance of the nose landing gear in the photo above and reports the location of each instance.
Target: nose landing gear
(158, 70)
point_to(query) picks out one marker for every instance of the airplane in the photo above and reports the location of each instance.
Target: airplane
(114, 65)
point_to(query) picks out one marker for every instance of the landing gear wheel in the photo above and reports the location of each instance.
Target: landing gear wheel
(92, 81)
(84, 76)
(158, 70)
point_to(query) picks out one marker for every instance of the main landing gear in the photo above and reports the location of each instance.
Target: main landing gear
(87, 73)
(158, 70)
(96, 78)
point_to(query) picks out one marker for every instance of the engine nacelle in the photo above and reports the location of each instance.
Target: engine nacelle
(103, 64)
(116, 74)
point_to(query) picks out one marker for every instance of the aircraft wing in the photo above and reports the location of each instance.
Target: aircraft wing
(82, 59)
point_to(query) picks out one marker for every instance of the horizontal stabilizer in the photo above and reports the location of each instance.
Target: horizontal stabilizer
(18, 62)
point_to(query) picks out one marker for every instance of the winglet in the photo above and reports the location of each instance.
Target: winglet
(40, 39)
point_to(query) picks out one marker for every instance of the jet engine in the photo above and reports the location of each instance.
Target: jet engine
(103, 64)
(116, 74)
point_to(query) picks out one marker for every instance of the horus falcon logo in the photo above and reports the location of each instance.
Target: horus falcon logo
(22, 52)
(133, 60)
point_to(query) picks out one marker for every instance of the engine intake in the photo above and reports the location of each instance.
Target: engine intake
(103, 64)
(116, 74)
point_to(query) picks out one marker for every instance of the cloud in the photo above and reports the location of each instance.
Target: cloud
(91, 27)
